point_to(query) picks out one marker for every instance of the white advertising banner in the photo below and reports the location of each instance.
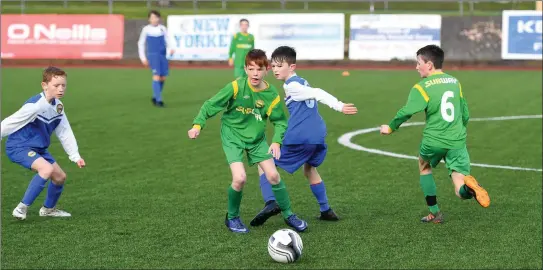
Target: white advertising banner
(390, 36)
(208, 37)
(202, 37)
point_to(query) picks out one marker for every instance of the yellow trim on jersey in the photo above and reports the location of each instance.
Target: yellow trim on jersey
(254, 90)
(422, 92)
(244, 34)
(460, 87)
(236, 88)
(197, 127)
(273, 104)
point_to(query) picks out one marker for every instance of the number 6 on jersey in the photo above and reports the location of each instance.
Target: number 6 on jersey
(447, 108)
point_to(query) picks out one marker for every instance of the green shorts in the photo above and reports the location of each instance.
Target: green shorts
(239, 72)
(456, 160)
(233, 148)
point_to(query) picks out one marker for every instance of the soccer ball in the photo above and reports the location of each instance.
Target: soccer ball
(285, 246)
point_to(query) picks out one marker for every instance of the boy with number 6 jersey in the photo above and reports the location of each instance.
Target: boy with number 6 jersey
(440, 96)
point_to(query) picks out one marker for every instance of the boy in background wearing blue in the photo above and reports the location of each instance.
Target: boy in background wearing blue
(155, 36)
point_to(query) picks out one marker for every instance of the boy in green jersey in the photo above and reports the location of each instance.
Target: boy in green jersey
(444, 136)
(242, 43)
(248, 102)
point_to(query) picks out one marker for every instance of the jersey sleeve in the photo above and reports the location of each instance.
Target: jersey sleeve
(215, 104)
(278, 118)
(252, 42)
(417, 101)
(26, 114)
(66, 137)
(232, 47)
(141, 44)
(299, 92)
(166, 42)
(465, 110)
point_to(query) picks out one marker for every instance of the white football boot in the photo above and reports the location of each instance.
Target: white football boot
(53, 212)
(20, 211)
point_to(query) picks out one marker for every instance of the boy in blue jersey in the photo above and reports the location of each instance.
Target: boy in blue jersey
(304, 143)
(155, 36)
(29, 135)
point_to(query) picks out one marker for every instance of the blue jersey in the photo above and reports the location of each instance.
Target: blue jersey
(33, 124)
(305, 138)
(305, 124)
(153, 41)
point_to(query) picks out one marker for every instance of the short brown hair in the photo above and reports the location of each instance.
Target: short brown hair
(258, 56)
(153, 12)
(51, 72)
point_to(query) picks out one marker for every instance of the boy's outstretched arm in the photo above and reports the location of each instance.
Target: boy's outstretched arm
(299, 92)
(278, 118)
(215, 104)
(416, 102)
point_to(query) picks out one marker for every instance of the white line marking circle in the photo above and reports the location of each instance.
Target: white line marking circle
(345, 140)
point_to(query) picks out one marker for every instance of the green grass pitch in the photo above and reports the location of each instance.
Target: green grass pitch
(152, 198)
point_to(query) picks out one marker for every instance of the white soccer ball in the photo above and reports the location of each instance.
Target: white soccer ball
(285, 246)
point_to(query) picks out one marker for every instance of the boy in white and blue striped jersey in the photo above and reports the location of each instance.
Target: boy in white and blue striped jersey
(305, 139)
(29, 135)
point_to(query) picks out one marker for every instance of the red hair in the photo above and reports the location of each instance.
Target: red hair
(51, 72)
(258, 57)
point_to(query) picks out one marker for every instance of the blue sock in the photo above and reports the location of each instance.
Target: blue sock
(266, 189)
(161, 88)
(162, 85)
(320, 193)
(156, 91)
(53, 194)
(34, 189)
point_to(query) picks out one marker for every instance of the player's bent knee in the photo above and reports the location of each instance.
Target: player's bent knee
(59, 178)
(273, 177)
(156, 78)
(239, 180)
(46, 171)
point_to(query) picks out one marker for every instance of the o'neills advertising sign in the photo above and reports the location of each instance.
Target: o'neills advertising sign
(51, 36)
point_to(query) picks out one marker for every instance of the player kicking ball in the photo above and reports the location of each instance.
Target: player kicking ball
(29, 135)
(444, 136)
(249, 102)
(304, 143)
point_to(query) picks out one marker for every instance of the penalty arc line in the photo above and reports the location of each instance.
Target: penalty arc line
(346, 138)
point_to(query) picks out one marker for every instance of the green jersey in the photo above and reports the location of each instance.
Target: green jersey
(239, 47)
(246, 111)
(440, 96)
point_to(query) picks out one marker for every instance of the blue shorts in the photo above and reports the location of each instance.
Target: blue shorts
(159, 65)
(26, 156)
(296, 155)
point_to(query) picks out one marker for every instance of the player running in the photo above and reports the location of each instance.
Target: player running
(301, 146)
(29, 134)
(249, 102)
(444, 136)
(242, 42)
(155, 36)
